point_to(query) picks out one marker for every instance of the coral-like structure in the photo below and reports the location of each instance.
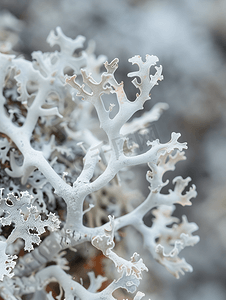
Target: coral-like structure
(64, 175)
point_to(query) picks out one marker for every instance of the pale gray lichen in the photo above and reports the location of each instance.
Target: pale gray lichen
(66, 168)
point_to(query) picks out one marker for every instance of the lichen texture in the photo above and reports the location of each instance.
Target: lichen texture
(68, 153)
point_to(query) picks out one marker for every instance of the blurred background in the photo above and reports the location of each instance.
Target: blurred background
(189, 37)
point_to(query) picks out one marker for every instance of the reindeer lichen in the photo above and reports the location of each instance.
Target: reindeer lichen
(65, 173)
